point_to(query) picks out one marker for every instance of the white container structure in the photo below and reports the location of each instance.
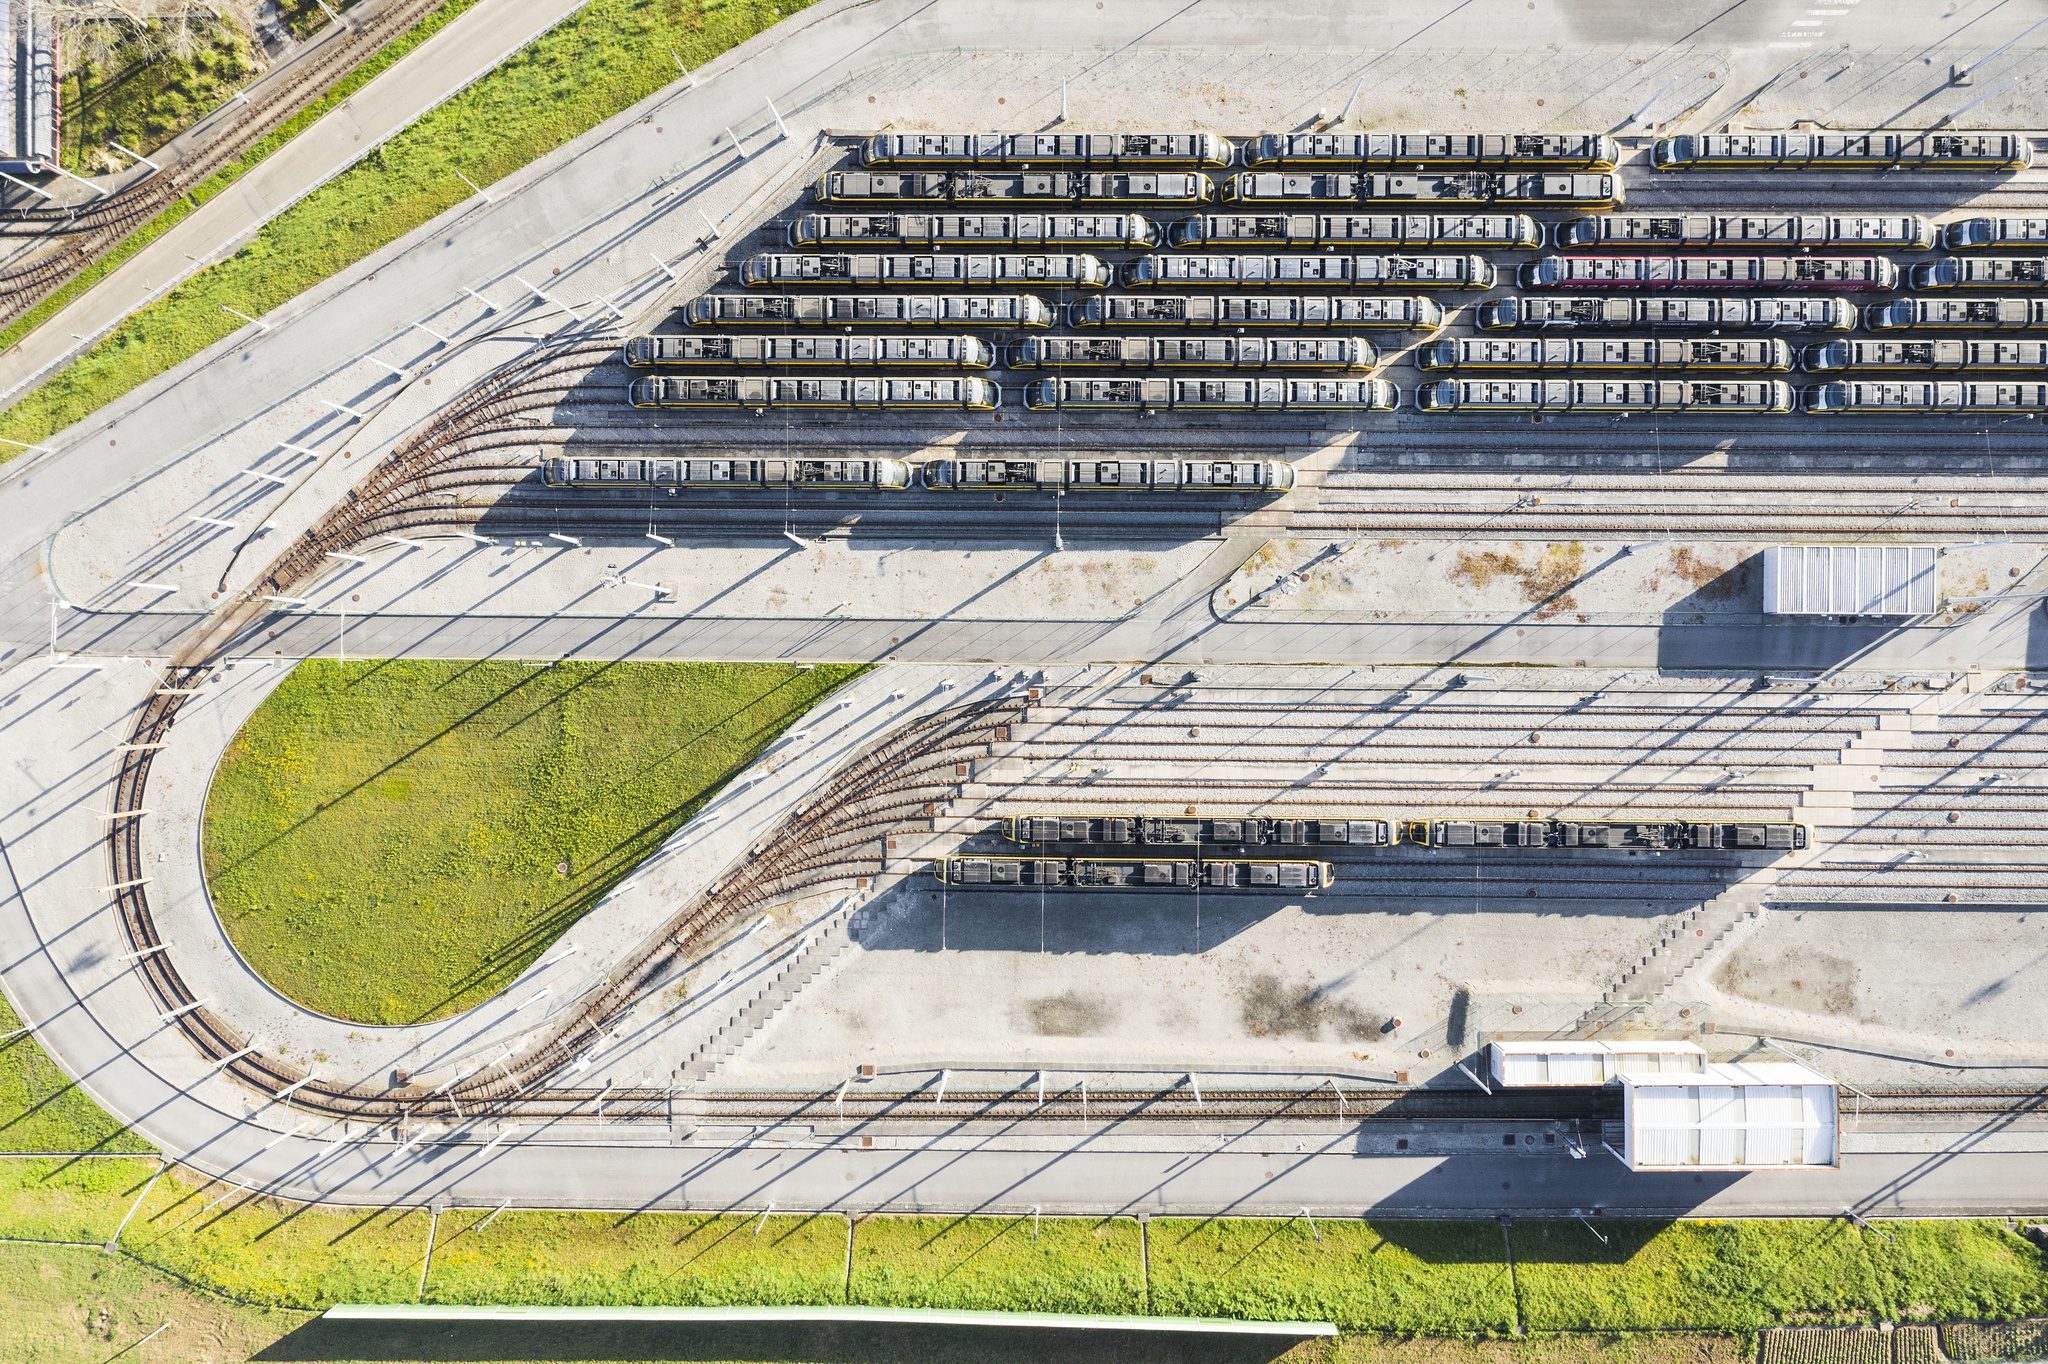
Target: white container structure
(1771, 1115)
(1557, 1065)
(1849, 580)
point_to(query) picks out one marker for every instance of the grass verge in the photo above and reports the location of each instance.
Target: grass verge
(73, 1306)
(68, 1200)
(999, 1264)
(41, 1109)
(592, 1259)
(163, 222)
(394, 841)
(1415, 1292)
(1436, 1278)
(1738, 1276)
(603, 59)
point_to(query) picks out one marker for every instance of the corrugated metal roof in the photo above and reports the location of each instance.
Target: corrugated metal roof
(1581, 1062)
(1849, 580)
(1747, 1116)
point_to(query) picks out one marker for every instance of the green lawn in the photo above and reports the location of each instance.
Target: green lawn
(605, 58)
(41, 1110)
(394, 841)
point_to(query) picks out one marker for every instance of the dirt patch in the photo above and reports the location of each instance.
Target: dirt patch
(1546, 584)
(1710, 581)
(1070, 1015)
(1981, 587)
(1274, 1010)
(1809, 981)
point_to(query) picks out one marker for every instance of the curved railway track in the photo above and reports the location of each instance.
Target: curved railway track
(834, 838)
(83, 234)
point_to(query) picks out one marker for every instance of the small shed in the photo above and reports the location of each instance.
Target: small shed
(1849, 580)
(1769, 1115)
(1556, 1065)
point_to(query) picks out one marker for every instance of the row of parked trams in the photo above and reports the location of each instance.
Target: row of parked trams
(1176, 854)
(1287, 331)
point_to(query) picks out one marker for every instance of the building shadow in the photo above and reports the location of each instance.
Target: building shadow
(796, 1342)
(1720, 626)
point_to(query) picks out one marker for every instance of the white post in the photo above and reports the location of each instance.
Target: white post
(423, 327)
(23, 184)
(944, 1075)
(331, 14)
(662, 266)
(135, 156)
(684, 69)
(1063, 99)
(103, 194)
(783, 127)
(736, 143)
(1353, 100)
(708, 223)
(342, 407)
(260, 325)
(473, 185)
(488, 305)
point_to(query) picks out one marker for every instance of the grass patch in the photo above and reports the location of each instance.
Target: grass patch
(1439, 1278)
(393, 841)
(138, 93)
(1438, 1289)
(184, 206)
(283, 1255)
(68, 1200)
(1738, 1276)
(603, 59)
(71, 1306)
(41, 1109)
(67, 1306)
(993, 1264)
(672, 1259)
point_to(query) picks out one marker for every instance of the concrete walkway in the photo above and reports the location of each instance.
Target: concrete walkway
(432, 73)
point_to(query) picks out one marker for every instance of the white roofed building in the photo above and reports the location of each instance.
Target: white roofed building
(1768, 1115)
(1560, 1064)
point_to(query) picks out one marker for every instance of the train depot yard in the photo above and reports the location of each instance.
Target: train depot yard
(1445, 627)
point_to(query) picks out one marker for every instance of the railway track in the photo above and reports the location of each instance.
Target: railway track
(79, 236)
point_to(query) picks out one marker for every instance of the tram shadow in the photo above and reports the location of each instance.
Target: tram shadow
(864, 1342)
